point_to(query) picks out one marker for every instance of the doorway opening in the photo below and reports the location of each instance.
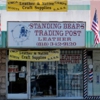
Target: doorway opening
(43, 79)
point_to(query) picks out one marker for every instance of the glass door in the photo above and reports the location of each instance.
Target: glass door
(43, 79)
(17, 80)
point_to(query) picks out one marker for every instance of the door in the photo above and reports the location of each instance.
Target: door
(17, 74)
(43, 79)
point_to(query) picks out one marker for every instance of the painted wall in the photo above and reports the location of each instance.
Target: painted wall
(78, 11)
(95, 4)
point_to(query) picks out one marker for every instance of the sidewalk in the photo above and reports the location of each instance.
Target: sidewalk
(42, 99)
(56, 98)
(2, 98)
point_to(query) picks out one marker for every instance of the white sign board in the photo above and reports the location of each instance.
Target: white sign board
(46, 34)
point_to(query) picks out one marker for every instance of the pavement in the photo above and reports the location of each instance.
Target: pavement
(47, 98)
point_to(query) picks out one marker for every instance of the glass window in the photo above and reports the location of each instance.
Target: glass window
(70, 74)
(17, 82)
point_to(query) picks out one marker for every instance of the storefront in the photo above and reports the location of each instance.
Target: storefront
(92, 75)
(63, 78)
(50, 69)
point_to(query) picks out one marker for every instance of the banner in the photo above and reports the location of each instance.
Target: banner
(36, 56)
(37, 5)
(46, 34)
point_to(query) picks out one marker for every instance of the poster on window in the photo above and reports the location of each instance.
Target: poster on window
(12, 77)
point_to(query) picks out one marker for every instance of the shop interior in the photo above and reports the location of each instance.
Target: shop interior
(43, 79)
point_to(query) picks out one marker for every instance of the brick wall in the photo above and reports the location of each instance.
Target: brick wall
(2, 74)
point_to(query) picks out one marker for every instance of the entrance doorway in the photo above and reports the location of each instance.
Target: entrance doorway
(17, 80)
(43, 79)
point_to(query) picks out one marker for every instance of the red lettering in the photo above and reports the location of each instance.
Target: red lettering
(73, 26)
(58, 38)
(51, 44)
(68, 39)
(49, 39)
(69, 26)
(72, 33)
(63, 38)
(77, 25)
(44, 38)
(53, 38)
(82, 26)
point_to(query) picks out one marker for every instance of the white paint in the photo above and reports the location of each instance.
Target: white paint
(71, 15)
(79, 2)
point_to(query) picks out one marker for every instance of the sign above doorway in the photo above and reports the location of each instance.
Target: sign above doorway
(36, 56)
(46, 34)
(37, 5)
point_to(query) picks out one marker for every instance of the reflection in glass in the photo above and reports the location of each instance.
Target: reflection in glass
(70, 74)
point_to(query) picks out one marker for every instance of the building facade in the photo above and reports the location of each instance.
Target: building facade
(74, 75)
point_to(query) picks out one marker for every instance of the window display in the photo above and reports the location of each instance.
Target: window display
(16, 77)
(70, 74)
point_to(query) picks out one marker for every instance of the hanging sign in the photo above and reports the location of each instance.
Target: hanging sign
(37, 5)
(47, 55)
(46, 34)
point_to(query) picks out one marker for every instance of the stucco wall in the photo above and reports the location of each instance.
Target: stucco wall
(70, 15)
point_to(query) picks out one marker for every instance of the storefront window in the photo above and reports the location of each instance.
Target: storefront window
(43, 79)
(70, 74)
(17, 82)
